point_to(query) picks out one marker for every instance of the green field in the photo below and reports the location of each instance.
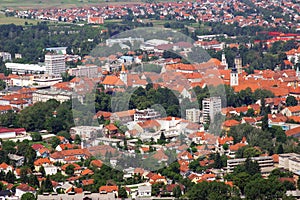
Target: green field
(15, 20)
(57, 3)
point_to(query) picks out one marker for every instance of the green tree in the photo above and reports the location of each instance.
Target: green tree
(42, 171)
(122, 193)
(54, 142)
(2, 85)
(10, 177)
(47, 185)
(251, 167)
(33, 181)
(241, 180)
(218, 162)
(291, 101)
(36, 137)
(70, 170)
(77, 139)
(28, 196)
(65, 134)
(209, 190)
(177, 191)
(162, 139)
(265, 122)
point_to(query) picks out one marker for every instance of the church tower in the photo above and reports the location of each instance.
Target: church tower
(123, 74)
(234, 77)
(238, 63)
(224, 62)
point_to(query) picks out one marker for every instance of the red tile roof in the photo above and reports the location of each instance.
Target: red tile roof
(108, 189)
(88, 182)
(42, 161)
(25, 188)
(293, 132)
(96, 163)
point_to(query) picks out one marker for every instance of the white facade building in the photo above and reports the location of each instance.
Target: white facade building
(90, 71)
(143, 115)
(290, 161)
(18, 68)
(45, 95)
(210, 107)
(55, 64)
(193, 115)
(5, 56)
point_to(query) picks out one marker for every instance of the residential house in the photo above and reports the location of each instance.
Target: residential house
(69, 155)
(147, 126)
(50, 169)
(185, 155)
(229, 123)
(221, 144)
(156, 178)
(109, 189)
(144, 191)
(43, 152)
(197, 137)
(234, 148)
(96, 163)
(6, 168)
(87, 182)
(110, 130)
(24, 188)
(170, 188)
(16, 159)
(294, 132)
(41, 162)
(123, 116)
(112, 81)
(67, 146)
(291, 111)
(160, 156)
(77, 169)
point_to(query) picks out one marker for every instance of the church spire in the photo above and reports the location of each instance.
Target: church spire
(224, 62)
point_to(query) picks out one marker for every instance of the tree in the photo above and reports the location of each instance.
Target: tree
(33, 181)
(209, 190)
(122, 193)
(42, 171)
(280, 149)
(10, 177)
(46, 185)
(77, 139)
(162, 139)
(54, 142)
(65, 134)
(24, 174)
(240, 180)
(36, 137)
(2, 85)
(251, 167)
(265, 122)
(28, 196)
(291, 101)
(218, 162)
(70, 170)
(177, 191)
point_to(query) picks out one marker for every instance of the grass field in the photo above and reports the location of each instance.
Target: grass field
(15, 20)
(57, 3)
